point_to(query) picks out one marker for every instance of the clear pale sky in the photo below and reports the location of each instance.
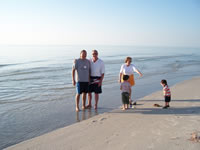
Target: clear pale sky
(102, 22)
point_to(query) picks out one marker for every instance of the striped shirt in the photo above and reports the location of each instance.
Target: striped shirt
(166, 91)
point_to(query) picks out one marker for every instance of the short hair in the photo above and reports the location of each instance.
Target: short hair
(128, 58)
(164, 82)
(83, 51)
(95, 51)
(125, 77)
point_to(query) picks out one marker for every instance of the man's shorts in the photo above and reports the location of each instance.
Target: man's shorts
(82, 87)
(94, 87)
(167, 98)
(125, 97)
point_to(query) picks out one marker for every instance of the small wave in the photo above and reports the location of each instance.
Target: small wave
(119, 59)
(5, 65)
(24, 63)
(116, 61)
(31, 71)
(155, 58)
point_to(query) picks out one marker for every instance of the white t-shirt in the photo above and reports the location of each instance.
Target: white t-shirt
(97, 68)
(127, 70)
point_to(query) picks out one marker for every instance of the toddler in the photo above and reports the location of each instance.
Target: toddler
(126, 90)
(166, 93)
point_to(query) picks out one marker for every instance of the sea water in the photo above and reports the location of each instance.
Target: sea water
(36, 92)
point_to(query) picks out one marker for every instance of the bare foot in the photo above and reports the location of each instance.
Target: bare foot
(77, 109)
(95, 107)
(123, 108)
(83, 107)
(88, 106)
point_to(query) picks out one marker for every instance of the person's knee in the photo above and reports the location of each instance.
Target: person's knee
(78, 95)
(84, 94)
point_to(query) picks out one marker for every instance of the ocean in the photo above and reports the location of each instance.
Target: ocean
(36, 92)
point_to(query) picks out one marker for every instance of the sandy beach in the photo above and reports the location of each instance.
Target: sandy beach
(141, 128)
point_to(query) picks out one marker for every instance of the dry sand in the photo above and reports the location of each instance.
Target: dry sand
(141, 128)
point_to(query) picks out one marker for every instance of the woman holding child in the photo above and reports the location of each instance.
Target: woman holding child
(129, 69)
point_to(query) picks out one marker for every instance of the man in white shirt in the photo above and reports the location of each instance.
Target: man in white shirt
(96, 78)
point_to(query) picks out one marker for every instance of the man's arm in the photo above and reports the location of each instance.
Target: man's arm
(101, 79)
(102, 75)
(73, 74)
(73, 77)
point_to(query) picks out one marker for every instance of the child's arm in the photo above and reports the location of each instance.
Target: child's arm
(164, 92)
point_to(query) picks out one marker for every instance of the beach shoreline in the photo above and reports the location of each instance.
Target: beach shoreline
(37, 95)
(143, 127)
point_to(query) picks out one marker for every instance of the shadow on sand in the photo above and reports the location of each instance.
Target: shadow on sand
(176, 110)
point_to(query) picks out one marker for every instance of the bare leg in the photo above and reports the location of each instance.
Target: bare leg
(96, 100)
(130, 101)
(123, 107)
(89, 100)
(77, 102)
(83, 100)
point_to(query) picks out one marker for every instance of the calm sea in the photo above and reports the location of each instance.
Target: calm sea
(36, 94)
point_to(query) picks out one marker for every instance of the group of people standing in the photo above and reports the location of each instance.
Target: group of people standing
(90, 74)
(89, 77)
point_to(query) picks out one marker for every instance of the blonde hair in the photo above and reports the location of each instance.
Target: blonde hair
(128, 59)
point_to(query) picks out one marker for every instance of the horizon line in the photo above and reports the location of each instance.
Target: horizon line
(172, 46)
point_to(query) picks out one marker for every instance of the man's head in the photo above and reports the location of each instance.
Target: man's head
(83, 54)
(95, 54)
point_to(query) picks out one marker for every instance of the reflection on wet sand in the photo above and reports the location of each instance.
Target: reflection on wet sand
(85, 114)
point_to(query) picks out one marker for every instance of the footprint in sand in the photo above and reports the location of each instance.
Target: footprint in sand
(94, 121)
(110, 138)
(179, 117)
(173, 121)
(175, 138)
(102, 119)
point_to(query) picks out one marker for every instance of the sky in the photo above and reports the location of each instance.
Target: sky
(100, 22)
